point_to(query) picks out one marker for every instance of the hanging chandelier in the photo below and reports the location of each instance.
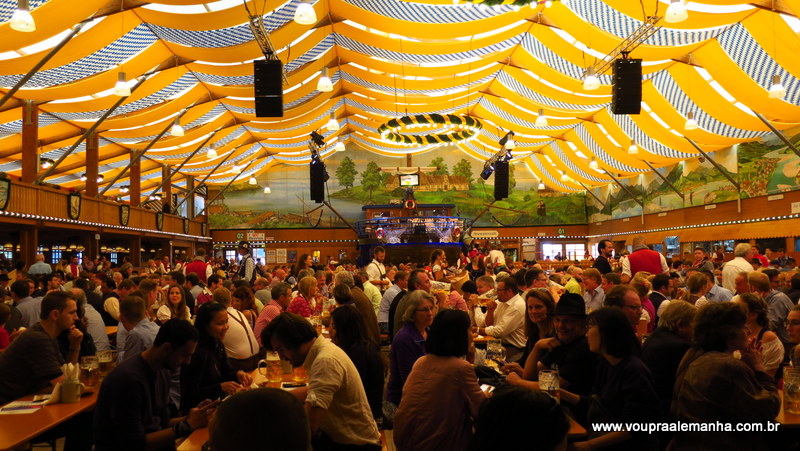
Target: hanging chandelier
(459, 128)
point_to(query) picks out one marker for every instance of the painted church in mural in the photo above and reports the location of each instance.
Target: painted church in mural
(356, 179)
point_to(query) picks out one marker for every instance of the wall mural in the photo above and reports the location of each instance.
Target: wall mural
(356, 180)
(763, 167)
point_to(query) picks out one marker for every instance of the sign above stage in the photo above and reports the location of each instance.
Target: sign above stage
(480, 234)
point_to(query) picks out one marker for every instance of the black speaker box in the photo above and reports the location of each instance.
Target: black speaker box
(268, 86)
(269, 106)
(500, 180)
(317, 182)
(627, 89)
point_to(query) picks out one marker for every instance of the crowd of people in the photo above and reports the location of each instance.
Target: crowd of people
(633, 338)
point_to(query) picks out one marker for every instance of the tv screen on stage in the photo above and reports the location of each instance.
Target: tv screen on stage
(409, 180)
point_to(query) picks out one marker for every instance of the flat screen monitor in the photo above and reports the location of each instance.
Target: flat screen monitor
(409, 180)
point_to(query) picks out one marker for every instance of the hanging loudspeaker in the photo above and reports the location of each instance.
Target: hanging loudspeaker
(627, 89)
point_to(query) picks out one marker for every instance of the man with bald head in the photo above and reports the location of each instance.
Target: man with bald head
(741, 263)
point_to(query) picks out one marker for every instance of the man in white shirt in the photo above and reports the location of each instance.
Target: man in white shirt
(376, 270)
(335, 401)
(594, 295)
(496, 259)
(506, 319)
(372, 292)
(741, 263)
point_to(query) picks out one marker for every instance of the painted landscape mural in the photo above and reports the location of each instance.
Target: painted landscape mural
(761, 168)
(356, 179)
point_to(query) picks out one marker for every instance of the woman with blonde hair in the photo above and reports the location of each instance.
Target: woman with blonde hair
(696, 288)
(304, 304)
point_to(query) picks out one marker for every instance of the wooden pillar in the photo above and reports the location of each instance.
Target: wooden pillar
(136, 252)
(92, 245)
(135, 181)
(92, 163)
(167, 190)
(30, 142)
(190, 201)
(28, 243)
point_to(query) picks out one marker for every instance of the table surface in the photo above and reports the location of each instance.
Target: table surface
(18, 429)
(110, 330)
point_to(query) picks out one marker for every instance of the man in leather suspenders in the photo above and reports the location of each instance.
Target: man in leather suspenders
(247, 266)
(376, 271)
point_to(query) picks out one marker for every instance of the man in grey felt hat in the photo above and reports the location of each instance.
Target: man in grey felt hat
(568, 351)
(247, 266)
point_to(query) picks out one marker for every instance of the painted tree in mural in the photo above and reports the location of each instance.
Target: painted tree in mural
(441, 166)
(346, 173)
(371, 178)
(512, 182)
(464, 169)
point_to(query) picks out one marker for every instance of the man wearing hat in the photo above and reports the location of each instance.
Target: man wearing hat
(568, 351)
(247, 266)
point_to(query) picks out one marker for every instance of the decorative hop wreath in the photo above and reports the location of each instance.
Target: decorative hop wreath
(410, 204)
(463, 128)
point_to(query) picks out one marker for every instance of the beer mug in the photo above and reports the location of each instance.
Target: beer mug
(105, 361)
(549, 383)
(791, 390)
(274, 367)
(89, 371)
(299, 374)
(71, 391)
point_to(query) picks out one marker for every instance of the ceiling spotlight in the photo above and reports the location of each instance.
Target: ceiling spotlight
(564, 177)
(548, 3)
(236, 169)
(305, 14)
(124, 189)
(633, 149)
(267, 190)
(541, 119)
(593, 164)
(100, 178)
(22, 20)
(46, 163)
(211, 153)
(252, 181)
(541, 186)
(121, 88)
(590, 80)
(324, 83)
(176, 129)
(676, 12)
(777, 91)
(83, 177)
(690, 124)
(333, 124)
(339, 147)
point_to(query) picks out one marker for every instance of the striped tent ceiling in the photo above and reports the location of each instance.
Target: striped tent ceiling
(391, 58)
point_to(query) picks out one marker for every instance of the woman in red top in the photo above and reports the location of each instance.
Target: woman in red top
(304, 304)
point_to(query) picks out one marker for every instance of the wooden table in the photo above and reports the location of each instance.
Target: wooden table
(111, 330)
(576, 431)
(786, 419)
(16, 430)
